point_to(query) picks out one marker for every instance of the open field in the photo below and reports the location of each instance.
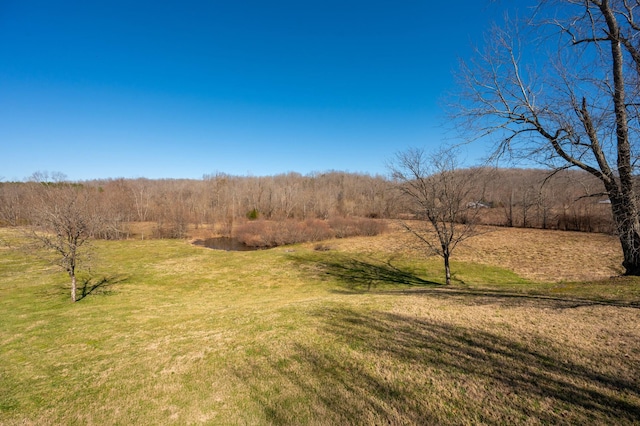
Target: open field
(532, 332)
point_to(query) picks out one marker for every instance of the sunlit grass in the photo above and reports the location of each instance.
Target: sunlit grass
(169, 333)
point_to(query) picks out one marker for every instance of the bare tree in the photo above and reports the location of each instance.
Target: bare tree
(11, 203)
(440, 197)
(141, 198)
(561, 87)
(62, 223)
(113, 197)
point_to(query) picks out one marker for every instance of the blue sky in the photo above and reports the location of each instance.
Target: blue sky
(178, 89)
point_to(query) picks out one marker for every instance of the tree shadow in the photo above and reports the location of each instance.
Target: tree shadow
(387, 368)
(357, 275)
(505, 298)
(102, 285)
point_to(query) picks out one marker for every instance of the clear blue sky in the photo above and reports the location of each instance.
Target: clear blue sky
(178, 89)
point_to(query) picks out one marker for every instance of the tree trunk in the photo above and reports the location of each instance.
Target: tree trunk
(625, 214)
(447, 269)
(73, 287)
(631, 250)
(509, 212)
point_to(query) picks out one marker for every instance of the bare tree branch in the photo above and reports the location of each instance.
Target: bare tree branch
(573, 104)
(438, 196)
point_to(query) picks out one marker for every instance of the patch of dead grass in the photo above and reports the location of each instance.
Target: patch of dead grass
(540, 255)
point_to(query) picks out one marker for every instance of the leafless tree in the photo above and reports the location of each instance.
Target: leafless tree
(440, 197)
(141, 198)
(114, 200)
(562, 87)
(62, 221)
(11, 203)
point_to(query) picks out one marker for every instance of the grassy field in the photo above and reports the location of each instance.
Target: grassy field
(534, 331)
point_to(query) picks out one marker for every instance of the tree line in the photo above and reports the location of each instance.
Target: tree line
(568, 200)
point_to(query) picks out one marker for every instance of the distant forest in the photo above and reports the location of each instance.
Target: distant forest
(227, 205)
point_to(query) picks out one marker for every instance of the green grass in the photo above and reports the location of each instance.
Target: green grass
(174, 334)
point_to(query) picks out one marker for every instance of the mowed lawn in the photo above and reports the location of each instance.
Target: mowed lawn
(361, 332)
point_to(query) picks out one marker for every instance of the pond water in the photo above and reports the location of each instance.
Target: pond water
(224, 243)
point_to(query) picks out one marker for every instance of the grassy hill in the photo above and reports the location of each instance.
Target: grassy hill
(362, 333)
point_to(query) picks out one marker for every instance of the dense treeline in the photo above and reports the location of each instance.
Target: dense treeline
(508, 197)
(567, 200)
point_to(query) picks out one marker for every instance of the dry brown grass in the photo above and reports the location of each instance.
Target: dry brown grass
(540, 255)
(548, 255)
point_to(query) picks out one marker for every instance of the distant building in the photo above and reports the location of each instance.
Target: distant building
(477, 205)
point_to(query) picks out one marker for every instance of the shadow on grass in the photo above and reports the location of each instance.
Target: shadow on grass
(100, 285)
(385, 368)
(357, 275)
(507, 298)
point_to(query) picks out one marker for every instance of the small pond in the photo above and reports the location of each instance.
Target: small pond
(224, 243)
